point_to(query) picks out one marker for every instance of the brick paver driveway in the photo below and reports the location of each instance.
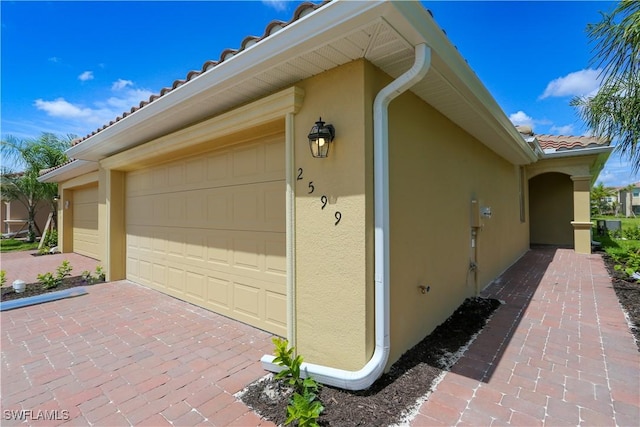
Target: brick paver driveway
(127, 355)
(558, 352)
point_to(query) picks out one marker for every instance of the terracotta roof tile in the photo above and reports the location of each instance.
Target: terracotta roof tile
(562, 142)
(273, 27)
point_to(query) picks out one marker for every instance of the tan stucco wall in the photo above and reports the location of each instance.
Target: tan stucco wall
(15, 210)
(334, 281)
(436, 170)
(552, 209)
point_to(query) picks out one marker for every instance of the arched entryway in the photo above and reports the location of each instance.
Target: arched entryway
(551, 209)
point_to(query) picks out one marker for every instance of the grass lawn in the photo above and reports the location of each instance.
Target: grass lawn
(14, 245)
(626, 222)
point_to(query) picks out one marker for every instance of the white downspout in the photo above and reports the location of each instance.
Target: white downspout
(371, 371)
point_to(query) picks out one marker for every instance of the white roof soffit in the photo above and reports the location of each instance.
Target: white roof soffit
(381, 31)
(70, 170)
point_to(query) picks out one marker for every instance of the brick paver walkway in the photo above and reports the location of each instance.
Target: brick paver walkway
(558, 352)
(126, 355)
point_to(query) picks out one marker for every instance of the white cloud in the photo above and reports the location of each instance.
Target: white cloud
(521, 118)
(61, 108)
(55, 59)
(125, 100)
(562, 130)
(579, 83)
(279, 5)
(87, 75)
(121, 84)
(101, 112)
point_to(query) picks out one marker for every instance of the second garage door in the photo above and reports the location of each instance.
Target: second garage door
(210, 229)
(85, 221)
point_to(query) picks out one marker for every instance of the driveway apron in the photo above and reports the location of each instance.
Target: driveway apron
(127, 355)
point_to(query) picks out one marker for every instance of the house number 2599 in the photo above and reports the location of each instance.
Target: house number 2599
(323, 199)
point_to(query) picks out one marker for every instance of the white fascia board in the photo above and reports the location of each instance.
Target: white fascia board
(317, 28)
(577, 152)
(70, 170)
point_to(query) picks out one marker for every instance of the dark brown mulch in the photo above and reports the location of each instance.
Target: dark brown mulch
(396, 393)
(628, 292)
(33, 289)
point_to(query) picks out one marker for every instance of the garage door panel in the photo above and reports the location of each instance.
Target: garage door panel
(230, 167)
(219, 292)
(276, 309)
(85, 222)
(246, 300)
(195, 286)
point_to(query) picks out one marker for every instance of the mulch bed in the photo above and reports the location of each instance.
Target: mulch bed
(33, 289)
(397, 392)
(628, 293)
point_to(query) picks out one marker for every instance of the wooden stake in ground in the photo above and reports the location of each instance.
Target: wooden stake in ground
(46, 231)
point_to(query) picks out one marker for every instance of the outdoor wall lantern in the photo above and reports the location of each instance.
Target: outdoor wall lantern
(56, 198)
(320, 139)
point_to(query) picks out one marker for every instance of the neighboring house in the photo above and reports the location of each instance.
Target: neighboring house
(14, 217)
(629, 200)
(208, 191)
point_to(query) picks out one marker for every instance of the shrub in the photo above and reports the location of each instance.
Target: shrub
(631, 233)
(48, 281)
(100, 274)
(63, 270)
(91, 278)
(3, 278)
(52, 239)
(304, 407)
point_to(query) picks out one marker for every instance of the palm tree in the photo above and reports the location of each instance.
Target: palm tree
(614, 112)
(31, 156)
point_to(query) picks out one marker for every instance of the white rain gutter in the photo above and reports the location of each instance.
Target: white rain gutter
(359, 380)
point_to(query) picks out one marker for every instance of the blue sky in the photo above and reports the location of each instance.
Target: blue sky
(70, 67)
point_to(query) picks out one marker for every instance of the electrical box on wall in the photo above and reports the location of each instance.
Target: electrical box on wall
(485, 211)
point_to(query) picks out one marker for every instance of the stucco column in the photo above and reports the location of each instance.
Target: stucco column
(65, 221)
(582, 213)
(111, 223)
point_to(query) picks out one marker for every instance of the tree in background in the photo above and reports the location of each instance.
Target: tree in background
(614, 112)
(22, 162)
(600, 199)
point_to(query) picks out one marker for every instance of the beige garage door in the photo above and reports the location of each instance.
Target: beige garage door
(210, 230)
(85, 222)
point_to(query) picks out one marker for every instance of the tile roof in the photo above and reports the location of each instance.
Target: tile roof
(563, 143)
(272, 28)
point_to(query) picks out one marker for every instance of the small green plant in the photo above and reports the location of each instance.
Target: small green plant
(87, 277)
(52, 239)
(91, 278)
(100, 274)
(3, 278)
(63, 270)
(304, 407)
(47, 280)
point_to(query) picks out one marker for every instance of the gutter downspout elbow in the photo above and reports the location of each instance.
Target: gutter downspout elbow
(371, 371)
